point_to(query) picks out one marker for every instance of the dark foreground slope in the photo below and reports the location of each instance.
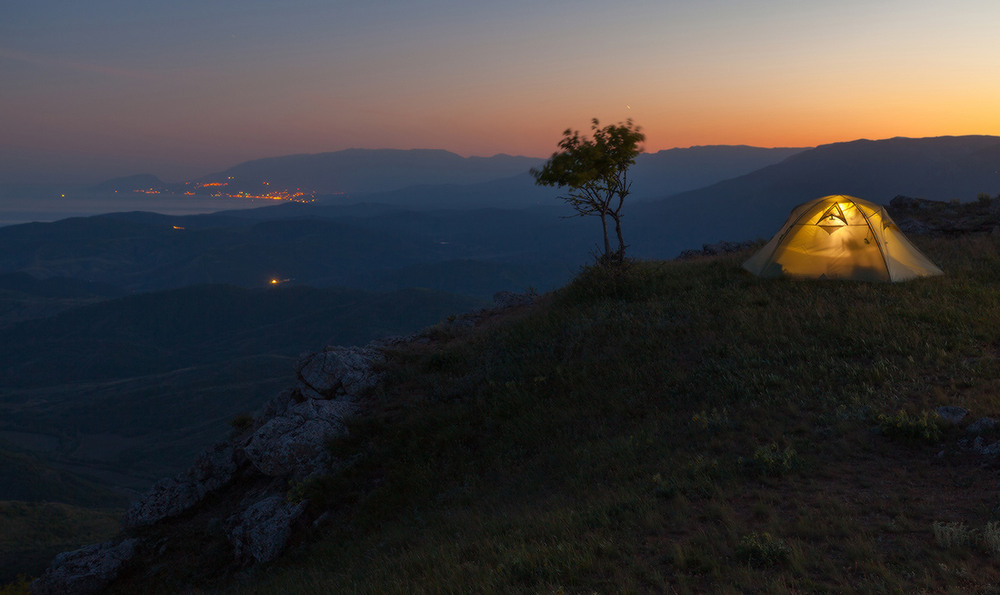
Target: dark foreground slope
(681, 426)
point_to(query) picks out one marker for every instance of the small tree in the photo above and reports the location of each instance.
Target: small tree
(596, 172)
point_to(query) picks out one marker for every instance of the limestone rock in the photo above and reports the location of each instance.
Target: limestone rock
(339, 371)
(172, 496)
(982, 447)
(262, 530)
(278, 405)
(86, 570)
(951, 414)
(295, 442)
(982, 426)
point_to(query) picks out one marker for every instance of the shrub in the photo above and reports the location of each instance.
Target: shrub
(958, 534)
(952, 534)
(772, 460)
(715, 419)
(762, 550)
(990, 538)
(664, 487)
(925, 428)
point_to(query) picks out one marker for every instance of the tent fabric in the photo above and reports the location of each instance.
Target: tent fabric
(841, 237)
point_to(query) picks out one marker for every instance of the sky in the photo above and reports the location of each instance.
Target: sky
(104, 88)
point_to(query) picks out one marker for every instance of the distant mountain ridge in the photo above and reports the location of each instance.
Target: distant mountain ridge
(660, 174)
(432, 178)
(372, 170)
(395, 174)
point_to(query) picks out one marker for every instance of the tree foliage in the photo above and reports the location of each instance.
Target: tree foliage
(595, 170)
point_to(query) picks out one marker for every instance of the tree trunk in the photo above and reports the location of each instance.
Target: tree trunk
(621, 240)
(607, 242)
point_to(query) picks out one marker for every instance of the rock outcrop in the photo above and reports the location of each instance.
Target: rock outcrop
(339, 372)
(294, 443)
(261, 530)
(172, 496)
(936, 218)
(285, 444)
(86, 570)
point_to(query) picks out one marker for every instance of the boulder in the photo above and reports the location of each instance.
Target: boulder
(86, 570)
(339, 372)
(986, 448)
(261, 531)
(950, 414)
(983, 425)
(294, 443)
(171, 496)
(278, 405)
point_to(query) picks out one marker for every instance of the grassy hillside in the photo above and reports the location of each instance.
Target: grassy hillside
(683, 427)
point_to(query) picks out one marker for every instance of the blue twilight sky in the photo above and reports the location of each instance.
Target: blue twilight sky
(103, 88)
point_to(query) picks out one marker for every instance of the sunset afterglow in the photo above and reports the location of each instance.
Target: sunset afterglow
(184, 89)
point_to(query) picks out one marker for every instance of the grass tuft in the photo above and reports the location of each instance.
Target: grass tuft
(923, 428)
(762, 550)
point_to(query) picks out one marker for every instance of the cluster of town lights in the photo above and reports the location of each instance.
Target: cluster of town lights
(297, 195)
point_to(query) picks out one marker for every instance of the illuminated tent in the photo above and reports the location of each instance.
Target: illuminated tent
(841, 237)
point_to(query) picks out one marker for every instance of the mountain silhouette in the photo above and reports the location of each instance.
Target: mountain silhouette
(756, 204)
(371, 170)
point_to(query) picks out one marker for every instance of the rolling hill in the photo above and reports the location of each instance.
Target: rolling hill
(127, 390)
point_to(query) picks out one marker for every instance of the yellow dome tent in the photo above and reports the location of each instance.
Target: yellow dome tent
(841, 237)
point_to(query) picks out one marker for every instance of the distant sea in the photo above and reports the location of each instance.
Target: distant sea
(28, 206)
